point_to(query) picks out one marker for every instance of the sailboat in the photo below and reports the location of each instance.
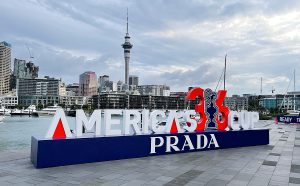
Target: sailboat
(293, 116)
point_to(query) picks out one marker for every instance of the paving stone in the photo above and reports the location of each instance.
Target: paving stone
(282, 140)
(237, 183)
(134, 183)
(243, 177)
(269, 147)
(276, 183)
(295, 175)
(216, 182)
(165, 178)
(294, 180)
(185, 177)
(295, 168)
(195, 183)
(270, 163)
(284, 179)
(224, 177)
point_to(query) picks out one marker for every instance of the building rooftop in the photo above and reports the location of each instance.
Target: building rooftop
(5, 44)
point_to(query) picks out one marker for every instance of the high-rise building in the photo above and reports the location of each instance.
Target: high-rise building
(9, 100)
(122, 100)
(133, 80)
(88, 84)
(154, 90)
(73, 100)
(73, 89)
(121, 87)
(62, 88)
(113, 86)
(38, 91)
(127, 47)
(23, 69)
(236, 102)
(102, 80)
(5, 71)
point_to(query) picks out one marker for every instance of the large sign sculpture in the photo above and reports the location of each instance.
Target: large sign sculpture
(117, 134)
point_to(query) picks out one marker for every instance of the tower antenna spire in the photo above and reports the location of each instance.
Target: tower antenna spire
(127, 47)
(127, 22)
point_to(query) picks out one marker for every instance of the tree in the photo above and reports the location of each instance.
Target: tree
(40, 106)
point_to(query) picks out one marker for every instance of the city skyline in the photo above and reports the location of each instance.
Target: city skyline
(182, 50)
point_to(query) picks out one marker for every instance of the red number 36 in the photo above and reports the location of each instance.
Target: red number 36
(222, 109)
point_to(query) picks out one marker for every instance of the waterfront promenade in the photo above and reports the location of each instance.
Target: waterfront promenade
(275, 164)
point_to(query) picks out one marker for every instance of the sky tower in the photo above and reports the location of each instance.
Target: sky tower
(127, 46)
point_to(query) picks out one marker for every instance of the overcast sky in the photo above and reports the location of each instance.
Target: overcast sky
(177, 43)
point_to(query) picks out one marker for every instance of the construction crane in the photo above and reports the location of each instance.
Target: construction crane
(30, 54)
(273, 90)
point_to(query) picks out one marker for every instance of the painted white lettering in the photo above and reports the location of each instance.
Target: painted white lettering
(200, 138)
(192, 121)
(173, 118)
(241, 120)
(188, 143)
(131, 118)
(254, 119)
(93, 124)
(173, 145)
(145, 121)
(156, 120)
(109, 122)
(154, 145)
(213, 141)
(59, 115)
(233, 125)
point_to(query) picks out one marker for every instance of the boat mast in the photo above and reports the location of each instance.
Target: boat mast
(294, 90)
(261, 85)
(225, 73)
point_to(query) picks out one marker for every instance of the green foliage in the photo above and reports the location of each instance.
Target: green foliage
(40, 106)
(264, 117)
(20, 106)
(62, 105)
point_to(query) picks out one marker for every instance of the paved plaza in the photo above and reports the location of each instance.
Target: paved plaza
(275, 164)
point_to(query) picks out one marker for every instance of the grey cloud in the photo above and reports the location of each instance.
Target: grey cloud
(70, 37)
(206, 74)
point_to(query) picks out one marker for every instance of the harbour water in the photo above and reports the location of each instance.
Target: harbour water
(16, 132)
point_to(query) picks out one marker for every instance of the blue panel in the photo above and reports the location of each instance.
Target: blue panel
(50, 153)
(288, 119)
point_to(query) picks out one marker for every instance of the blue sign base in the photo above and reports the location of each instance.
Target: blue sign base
(288, 119)
(51, 153)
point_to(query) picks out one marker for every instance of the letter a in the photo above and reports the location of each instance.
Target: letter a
(59, 128)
